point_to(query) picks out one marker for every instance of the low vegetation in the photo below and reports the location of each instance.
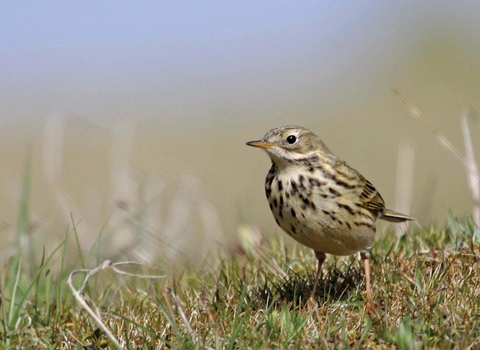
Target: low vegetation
(426, 288)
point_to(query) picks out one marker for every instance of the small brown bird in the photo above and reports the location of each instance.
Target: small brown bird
(319, 200)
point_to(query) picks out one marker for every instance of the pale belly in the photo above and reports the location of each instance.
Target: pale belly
(319, 220)
(323, 236)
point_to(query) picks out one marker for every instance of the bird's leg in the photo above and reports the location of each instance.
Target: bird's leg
(321, 258)
(366, 264)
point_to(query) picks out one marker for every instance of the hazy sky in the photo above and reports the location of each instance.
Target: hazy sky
(178, 59)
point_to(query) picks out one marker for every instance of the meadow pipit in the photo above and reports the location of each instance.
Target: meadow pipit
(319, 200)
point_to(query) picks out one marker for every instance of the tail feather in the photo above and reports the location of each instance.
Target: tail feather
(393, 216)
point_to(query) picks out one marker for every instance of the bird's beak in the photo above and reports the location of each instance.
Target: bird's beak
(260, 144)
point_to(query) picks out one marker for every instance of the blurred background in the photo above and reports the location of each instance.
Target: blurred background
(129, 120)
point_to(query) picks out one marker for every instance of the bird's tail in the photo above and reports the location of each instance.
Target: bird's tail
(393, 216)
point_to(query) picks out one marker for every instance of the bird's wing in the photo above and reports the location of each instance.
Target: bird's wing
(370, 197)
(364, 193)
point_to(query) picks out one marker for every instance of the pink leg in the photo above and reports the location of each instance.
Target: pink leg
(321, 258)
(366, 264)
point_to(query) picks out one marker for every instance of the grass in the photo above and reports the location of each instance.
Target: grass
(426, 290)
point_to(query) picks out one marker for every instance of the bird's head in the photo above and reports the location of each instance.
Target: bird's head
(287, 144)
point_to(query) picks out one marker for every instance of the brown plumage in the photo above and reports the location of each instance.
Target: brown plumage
(319, 200)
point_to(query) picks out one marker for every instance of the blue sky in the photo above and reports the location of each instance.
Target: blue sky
(198, 59)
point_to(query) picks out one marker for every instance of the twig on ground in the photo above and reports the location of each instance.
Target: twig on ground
(79, 297)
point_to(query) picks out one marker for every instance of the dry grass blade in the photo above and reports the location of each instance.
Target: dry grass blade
(472, 175)
(404, 183)
(78, 293)
(440, 138)
(182, 315)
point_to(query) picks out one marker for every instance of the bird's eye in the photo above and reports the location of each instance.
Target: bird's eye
(291, 139)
